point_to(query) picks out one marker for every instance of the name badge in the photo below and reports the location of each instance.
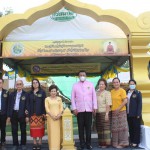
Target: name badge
(88, 87)
(5, 95)
(134, 95)
(23, 98)
(39, 95)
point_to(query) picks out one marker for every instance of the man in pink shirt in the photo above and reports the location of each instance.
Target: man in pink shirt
(83, 100)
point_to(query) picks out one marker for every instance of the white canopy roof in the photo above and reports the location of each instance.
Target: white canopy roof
(81, 27)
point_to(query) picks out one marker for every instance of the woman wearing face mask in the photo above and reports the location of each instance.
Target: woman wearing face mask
(103, 114)
(134, 111)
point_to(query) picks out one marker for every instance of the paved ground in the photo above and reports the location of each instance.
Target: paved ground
(45, 145)
(94, 144)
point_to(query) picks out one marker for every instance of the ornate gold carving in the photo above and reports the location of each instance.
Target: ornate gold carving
(143, 20)
(67, 129)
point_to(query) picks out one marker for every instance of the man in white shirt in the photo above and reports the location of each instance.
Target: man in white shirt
(18, 106)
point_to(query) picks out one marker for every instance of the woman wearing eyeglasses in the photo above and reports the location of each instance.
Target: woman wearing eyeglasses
(37, 113)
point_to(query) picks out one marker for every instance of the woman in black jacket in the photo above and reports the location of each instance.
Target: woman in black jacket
(37, 113)
(134, 112)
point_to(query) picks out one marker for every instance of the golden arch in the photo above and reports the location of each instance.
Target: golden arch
(124, 20)
(138, 29)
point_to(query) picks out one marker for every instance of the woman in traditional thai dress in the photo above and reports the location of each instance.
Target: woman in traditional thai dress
(37, 113)
(119, 116)
(54, 110)
(103, 115)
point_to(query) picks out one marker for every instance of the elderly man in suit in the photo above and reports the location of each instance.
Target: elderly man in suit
(18, 106)
(3, 113)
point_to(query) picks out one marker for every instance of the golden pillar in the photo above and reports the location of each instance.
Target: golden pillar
(139, 63)
(67, 129)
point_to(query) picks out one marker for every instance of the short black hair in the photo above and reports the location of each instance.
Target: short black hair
(132, 80)
(53, 86)
(116, 78)
(81, 71)
(2, 80)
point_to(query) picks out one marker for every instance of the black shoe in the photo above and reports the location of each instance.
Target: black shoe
(34, 147)
(38, 147)
(80, 148)
(89, 147)
(134, 145)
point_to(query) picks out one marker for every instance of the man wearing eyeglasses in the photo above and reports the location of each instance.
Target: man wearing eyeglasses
(18, 106)
(3, 113)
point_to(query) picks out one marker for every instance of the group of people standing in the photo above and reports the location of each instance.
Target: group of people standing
(118, 113)
(20, 107)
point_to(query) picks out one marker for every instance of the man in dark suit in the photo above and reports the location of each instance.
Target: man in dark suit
(3, 113)
(18, 106)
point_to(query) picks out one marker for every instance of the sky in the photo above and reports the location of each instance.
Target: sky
(135, 7)
(20, 6)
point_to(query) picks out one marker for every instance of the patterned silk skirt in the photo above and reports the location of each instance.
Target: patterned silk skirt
(37, 126)
(119, 129)
(103, 129)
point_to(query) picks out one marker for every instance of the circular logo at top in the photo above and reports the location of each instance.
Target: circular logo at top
(17, 49)
(36, 69)
(63, 15)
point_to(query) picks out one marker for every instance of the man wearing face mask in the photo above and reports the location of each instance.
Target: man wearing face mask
(134, 112)
(84, 102)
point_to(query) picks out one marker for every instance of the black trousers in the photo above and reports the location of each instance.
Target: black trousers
(134, 129)
(14, 125)
(84, 124)
(3, 119)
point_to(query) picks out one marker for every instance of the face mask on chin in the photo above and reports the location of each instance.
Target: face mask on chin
(132, 87)
(82, 78)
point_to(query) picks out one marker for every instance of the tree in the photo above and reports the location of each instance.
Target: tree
(6, 11)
